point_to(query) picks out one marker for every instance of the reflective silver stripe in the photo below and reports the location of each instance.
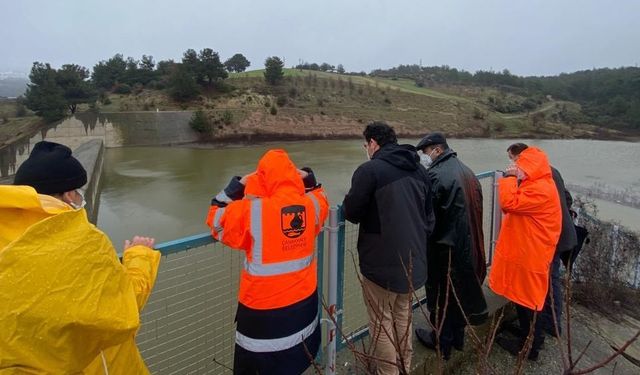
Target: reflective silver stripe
(256, 230)
(279, 268)
(223, 197)
(317, 206)
(256, 266)
(275, 345)
(216, 222)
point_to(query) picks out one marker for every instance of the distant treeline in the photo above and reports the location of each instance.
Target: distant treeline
(53, 93)
(609, 97)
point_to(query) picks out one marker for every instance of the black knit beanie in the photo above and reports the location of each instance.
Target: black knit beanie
(50, 169)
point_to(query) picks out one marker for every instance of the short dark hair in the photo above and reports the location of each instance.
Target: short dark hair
(381, 132)
(516, 148)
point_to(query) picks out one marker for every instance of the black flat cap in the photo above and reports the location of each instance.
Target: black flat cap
(430, 139)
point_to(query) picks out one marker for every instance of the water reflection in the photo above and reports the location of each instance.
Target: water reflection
(115, 129)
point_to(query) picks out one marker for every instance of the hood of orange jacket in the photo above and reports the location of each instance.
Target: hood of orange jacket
(275, 173)
(534, 163)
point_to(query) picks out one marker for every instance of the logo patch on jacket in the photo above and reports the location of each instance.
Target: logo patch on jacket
(293, 220)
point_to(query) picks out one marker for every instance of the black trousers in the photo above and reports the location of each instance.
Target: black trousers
(555, 290)
(293, 361)
(452, 328)
(525, 318)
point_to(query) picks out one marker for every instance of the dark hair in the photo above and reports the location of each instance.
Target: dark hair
(516, 148)
(381, 132)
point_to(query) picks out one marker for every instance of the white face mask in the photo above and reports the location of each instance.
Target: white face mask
(425, 159)
(81, 205)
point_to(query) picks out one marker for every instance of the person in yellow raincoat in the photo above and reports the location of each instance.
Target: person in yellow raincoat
(67, 304)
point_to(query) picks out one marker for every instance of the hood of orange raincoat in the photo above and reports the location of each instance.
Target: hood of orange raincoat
(275, 173)
(534, 163)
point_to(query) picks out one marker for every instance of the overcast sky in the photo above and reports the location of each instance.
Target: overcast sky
(528, 37)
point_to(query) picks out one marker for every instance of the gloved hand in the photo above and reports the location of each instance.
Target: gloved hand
(309, 180)
(233, 192)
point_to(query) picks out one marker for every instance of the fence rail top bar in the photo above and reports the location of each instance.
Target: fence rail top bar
(486, 174)
(185, 243)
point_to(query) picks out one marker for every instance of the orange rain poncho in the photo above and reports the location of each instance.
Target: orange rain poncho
(67, 305)
(529, 233)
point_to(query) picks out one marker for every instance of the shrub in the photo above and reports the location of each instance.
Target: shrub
(122, 88)
(137, 88)
(227, 117)
(281, 100)
(274, 110)
(199, 122)
(21, 110)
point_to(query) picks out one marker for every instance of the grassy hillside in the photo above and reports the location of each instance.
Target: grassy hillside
(313, 104)
(13, 127)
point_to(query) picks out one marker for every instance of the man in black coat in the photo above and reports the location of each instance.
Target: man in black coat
(390, 197)
(455, 249)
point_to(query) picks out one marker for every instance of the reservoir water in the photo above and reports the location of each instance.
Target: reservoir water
(165, 191)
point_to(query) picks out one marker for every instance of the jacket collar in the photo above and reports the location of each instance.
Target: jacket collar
(444, 156)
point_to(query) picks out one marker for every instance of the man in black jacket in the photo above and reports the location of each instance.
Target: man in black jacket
(390, 197)
(456, 248)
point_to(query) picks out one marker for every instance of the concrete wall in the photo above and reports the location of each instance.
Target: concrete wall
(91, 156)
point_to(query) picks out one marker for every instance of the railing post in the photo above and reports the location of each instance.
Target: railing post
(330, 366)
(615, 230)
(636, 279)
(496, 215)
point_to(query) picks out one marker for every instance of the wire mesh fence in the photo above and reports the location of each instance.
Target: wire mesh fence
(188, 323)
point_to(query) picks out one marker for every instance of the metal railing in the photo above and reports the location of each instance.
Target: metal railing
(188, 324)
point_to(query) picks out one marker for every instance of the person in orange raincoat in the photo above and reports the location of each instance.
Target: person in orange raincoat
(274, 216)
(67, 304)
(530, 231)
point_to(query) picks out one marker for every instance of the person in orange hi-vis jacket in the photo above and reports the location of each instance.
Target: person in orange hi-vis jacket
(274, 215)
(530, 231)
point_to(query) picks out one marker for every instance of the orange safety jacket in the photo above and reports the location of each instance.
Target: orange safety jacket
(276, 224)
(530, 231)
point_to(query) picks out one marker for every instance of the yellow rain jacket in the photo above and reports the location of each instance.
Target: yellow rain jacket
(67, 305)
